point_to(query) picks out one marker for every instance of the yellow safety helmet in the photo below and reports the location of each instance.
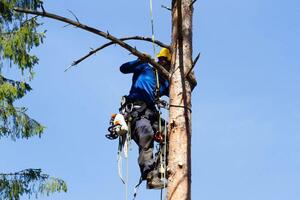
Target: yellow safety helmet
(164, 52)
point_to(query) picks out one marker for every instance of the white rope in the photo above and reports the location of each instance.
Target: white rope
(126, 153)
(119, 160)
(123, 153)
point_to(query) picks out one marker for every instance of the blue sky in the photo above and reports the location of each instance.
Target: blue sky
(246, 108)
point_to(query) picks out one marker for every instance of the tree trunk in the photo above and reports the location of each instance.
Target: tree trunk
(179, 157)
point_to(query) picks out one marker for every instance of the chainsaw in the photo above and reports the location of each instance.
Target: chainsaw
(118, 127)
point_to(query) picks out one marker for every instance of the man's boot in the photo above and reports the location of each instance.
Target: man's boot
(154, 181)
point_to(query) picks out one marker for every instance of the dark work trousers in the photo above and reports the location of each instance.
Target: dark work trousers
(143, 136)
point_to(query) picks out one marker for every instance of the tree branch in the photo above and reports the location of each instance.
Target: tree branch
(194, 63)
(26, 171)
(193, 2)
(42, 6)
(27, 20)
(111, 43)
(164, 73)
(74, 15)
(169, 9)
(108, 36)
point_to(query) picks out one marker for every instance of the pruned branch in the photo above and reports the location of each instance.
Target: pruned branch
(169, 9)
(196, 59)
(193, 2)
(164, 72)
(194, 63)
(111, 43)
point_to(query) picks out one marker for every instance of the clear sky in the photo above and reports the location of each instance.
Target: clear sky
(246, 108)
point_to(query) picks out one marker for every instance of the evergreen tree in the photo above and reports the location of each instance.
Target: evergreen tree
(18, 35)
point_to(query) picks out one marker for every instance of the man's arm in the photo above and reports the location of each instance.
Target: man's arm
(164, 88)
(131, 67)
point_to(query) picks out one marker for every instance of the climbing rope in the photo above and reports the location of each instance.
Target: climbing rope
(162, 154)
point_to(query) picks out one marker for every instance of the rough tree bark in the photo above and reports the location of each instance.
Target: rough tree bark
(179, 158)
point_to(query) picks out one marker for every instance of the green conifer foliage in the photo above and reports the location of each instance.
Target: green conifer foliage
(14, 122)
(18, 36)
(19, 33)
(31, 182)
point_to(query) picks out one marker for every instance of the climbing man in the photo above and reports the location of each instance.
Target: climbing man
(143, 95)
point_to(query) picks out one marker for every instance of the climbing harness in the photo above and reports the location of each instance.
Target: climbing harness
(120, 128)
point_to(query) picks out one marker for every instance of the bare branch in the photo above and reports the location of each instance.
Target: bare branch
(73, 15)
(196, 59)
(43, 9)
(162, 70)
(194, 63)
(169, 9)
(111, 43)
(193, 3)
(66, 25)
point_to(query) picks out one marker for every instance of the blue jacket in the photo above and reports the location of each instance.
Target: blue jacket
(144, 82)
